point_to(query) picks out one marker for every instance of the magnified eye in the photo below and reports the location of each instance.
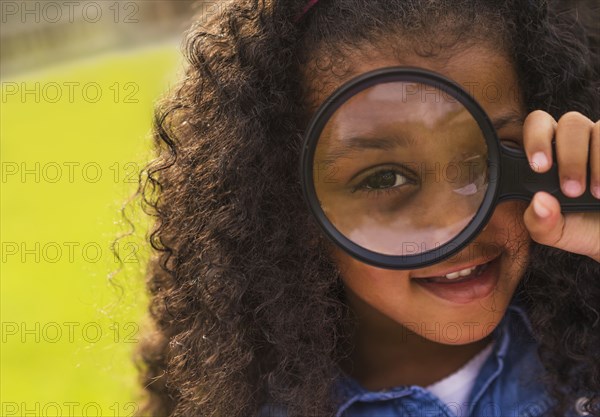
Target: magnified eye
(385, 179)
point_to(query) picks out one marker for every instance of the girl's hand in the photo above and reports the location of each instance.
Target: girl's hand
(577, 138)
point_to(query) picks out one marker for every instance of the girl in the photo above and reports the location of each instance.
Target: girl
(257, 313)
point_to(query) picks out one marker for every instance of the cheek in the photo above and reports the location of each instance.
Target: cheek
(376, 286)
(509, 233)
(356, 274)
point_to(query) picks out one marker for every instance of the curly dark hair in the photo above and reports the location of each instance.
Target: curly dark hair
(246, 301)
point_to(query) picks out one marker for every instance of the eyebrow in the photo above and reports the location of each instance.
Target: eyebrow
(360, 143)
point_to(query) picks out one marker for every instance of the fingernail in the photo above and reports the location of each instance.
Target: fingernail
(596, 191)
(539, 161)
(541, 210)
(572, 188)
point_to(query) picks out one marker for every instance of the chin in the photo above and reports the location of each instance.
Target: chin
(463, 333)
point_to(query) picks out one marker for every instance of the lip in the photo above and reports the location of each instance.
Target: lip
(464, 292)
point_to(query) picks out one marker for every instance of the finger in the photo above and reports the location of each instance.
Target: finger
(595, 160)
(574, 232)
(544, 220)
(538, 131)
(572, 150)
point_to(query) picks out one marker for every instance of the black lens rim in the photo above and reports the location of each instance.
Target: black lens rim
(387, 75)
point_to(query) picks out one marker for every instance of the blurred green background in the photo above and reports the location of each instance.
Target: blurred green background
(75, 132)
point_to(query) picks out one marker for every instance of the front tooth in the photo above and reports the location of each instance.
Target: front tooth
(453, 275)
(465, 272)
(461, 273)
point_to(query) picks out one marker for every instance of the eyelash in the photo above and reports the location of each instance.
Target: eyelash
(511, 143)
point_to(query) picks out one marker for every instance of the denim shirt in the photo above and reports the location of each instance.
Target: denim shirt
(507, 385)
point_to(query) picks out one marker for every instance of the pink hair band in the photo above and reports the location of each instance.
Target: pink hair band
(308, 6)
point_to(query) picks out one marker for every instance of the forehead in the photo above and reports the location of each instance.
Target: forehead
(487, 75)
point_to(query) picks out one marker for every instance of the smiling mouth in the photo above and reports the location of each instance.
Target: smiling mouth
(458, 276)
(465, 285)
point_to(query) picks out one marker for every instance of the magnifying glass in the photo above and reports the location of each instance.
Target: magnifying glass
(402, 168)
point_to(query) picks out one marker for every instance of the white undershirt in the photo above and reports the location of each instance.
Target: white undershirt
(454, 390)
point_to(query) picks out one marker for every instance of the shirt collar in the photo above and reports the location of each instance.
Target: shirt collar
(495, 363)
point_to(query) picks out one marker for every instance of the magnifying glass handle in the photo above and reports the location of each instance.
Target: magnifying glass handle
(519, 181)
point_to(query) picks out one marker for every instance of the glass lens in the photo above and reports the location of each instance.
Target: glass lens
(400, 168)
